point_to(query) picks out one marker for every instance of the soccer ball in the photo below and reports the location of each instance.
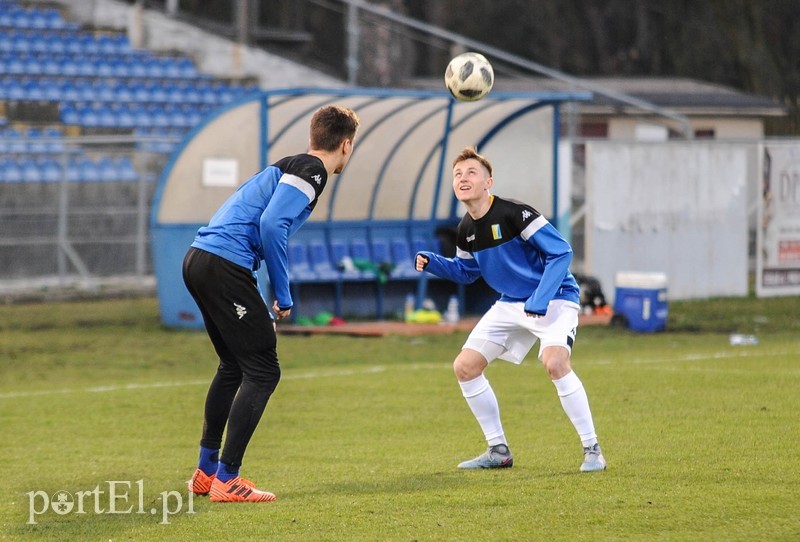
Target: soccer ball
(469, 77)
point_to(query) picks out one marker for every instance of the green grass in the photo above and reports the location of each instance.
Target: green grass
(361, 439)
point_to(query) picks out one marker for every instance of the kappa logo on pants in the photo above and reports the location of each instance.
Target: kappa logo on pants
(240, 310)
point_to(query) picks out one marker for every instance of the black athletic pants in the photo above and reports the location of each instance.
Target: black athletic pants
(241, 330)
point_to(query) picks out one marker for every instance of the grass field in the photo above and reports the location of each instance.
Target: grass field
(361, 439)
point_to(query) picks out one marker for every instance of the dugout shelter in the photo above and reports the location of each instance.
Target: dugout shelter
(393, 198)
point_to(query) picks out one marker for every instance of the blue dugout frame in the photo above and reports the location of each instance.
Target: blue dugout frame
(171, 238)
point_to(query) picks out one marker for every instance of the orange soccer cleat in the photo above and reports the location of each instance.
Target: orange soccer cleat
(238, 490)
(200, 484)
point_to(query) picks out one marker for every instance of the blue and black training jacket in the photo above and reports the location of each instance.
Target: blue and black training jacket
(517, 252)
(256, 221)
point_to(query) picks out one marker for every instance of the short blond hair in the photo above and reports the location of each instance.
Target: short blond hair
(469, 153)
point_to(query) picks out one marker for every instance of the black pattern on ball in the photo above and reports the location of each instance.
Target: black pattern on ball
(487, 77)
(466, 70)
(469, 77)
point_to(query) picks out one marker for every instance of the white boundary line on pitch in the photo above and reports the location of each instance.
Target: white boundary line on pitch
(323, 373)
(755, 353)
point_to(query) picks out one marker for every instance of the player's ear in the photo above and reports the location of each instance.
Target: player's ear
(347, 146)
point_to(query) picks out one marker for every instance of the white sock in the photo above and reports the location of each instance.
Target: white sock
(483, 403)
(576, 405)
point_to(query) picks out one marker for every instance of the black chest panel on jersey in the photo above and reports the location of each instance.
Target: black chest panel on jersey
(504, 221)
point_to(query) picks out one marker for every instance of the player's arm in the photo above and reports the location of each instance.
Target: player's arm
(462, 269)
(558, 256)
(287, 210)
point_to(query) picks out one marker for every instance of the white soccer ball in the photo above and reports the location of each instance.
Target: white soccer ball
(469, 77)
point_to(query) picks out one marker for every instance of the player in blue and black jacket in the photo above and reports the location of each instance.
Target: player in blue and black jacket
(524, 258)
(254, 224)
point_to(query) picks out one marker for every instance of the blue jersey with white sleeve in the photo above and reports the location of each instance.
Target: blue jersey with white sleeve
(256, 221)
(517, 252)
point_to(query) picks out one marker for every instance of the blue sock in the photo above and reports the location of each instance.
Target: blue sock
(209, 460)
(226, 472)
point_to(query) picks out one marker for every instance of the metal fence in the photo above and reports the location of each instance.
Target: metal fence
(74, 211)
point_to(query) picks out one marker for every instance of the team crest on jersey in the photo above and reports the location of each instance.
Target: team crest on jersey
(496, 233)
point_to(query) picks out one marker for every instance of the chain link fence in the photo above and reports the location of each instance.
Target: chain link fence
(74, 212)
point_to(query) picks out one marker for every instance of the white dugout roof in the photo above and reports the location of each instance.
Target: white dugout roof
(400, 169)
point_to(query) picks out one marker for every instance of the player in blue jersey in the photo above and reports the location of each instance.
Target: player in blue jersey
(254, 224)
(523, 257)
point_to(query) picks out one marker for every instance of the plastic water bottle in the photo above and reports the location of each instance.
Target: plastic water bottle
(408, 308)
(737, 339)
(451, 314)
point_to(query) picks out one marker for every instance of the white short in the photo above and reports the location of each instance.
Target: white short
(506, 332)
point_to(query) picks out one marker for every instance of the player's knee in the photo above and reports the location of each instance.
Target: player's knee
(464, 370)
(556, 362)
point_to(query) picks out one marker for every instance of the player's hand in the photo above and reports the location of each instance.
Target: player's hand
(420, 262)
(280, 314)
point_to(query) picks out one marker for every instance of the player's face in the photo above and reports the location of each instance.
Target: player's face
(471, 181)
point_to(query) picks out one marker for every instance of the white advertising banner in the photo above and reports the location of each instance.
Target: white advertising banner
(778, 234)
(678, 208)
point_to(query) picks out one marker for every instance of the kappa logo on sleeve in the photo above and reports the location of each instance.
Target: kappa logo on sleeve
(240, 310)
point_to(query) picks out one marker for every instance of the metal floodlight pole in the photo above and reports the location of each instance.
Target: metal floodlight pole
(352, 44)
(515, 60)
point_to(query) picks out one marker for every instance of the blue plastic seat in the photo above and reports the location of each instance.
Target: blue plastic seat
(6, 43)
(68, 114)
(35, 143)
(69, 67)
(161, 117)
(15, 144)
(50, 170)
(339, 253)
(15, 65)
(21, 19)
(321, 261)
(106, 116)
(299, 264)
(30, 170)
(125, 169)
(88, 116)
(403, 259)
(53, 19)
(359, 249)
(159, 93)
(122, 67)
(54, 140)
(154, 68)
(87, 170)
(52, 64)
(125, 116)
(33, 90)
(123, 92)
(12, 173)
(15, 90)
(107, 169)
(87, 44)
